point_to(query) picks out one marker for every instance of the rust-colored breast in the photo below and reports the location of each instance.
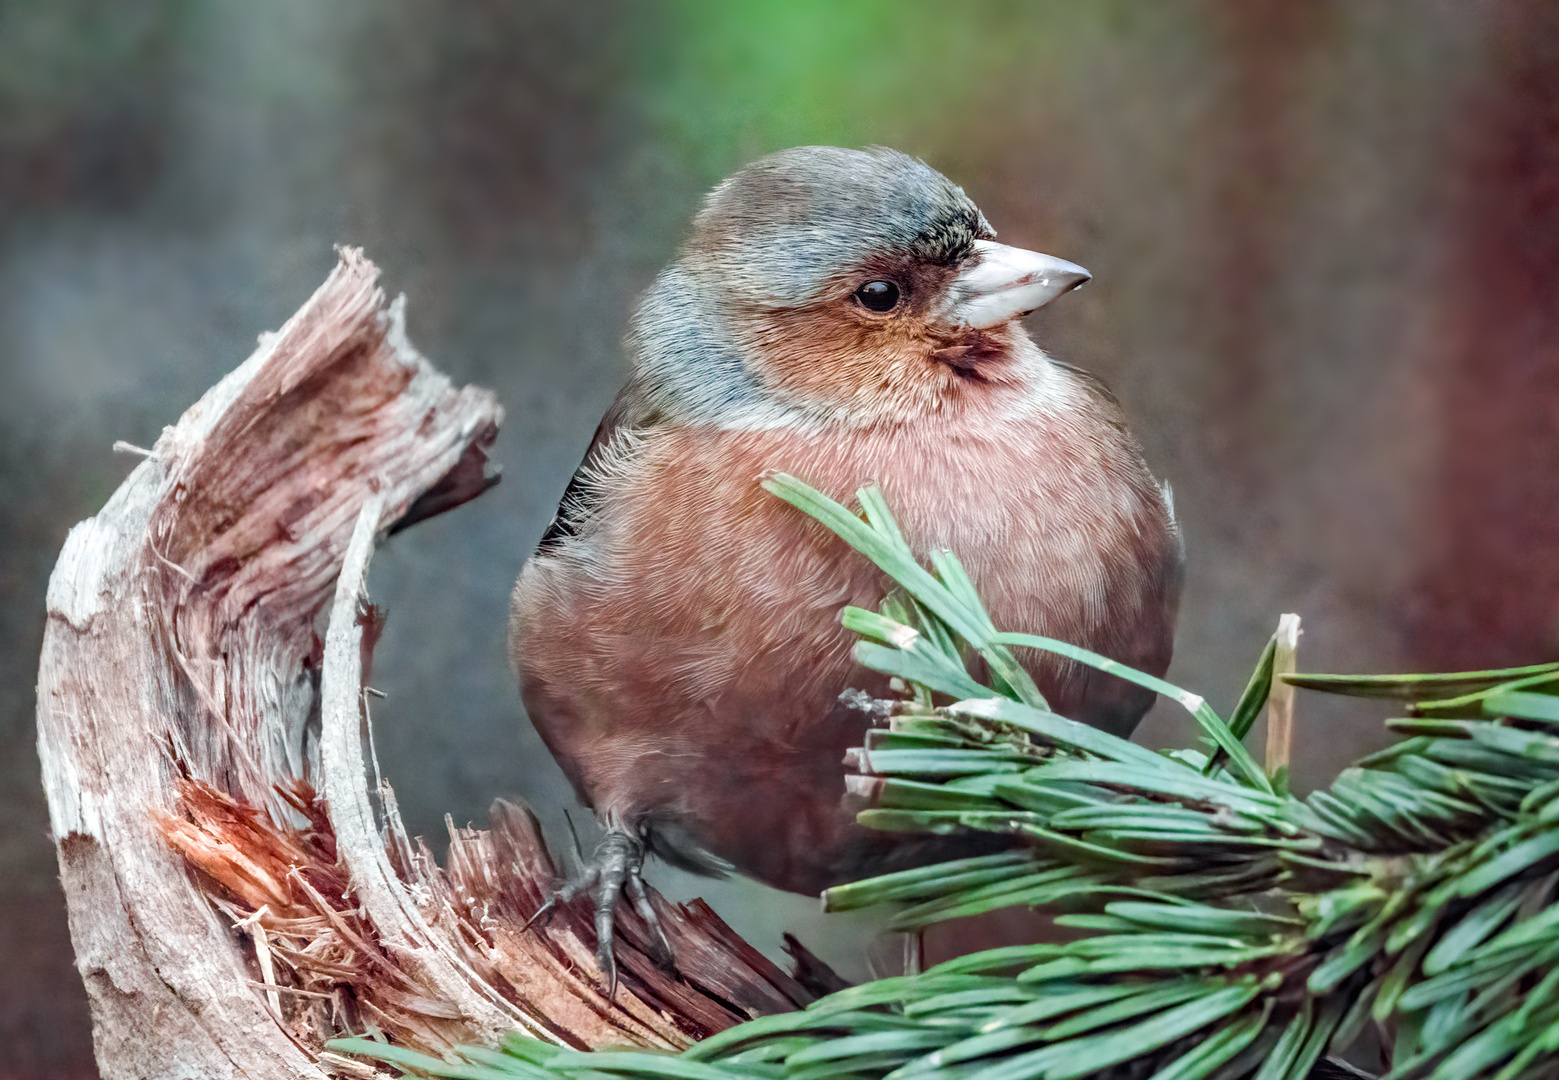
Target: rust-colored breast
(683, 656)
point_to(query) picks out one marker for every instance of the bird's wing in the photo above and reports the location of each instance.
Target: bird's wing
(616, 436)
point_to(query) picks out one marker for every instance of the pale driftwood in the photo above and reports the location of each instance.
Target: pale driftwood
(226, 917)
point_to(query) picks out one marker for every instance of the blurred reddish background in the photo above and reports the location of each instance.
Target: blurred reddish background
(1325, 240)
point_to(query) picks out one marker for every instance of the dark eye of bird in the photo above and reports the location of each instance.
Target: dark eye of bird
(878, 295)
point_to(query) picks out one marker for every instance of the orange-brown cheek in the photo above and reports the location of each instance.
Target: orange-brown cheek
(839, 362)
(888, 370)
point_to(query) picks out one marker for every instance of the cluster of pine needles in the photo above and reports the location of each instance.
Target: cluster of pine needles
(1227, 928)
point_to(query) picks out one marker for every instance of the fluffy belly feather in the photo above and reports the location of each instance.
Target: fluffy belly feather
(683, 654)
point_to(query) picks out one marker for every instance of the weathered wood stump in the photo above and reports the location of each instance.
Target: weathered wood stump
(237, 893)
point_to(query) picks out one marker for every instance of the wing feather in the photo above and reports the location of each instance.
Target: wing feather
(616, 437)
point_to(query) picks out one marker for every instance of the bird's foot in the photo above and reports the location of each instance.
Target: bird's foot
(614, 868)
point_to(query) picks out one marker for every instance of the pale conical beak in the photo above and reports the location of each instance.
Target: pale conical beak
(1001, 283)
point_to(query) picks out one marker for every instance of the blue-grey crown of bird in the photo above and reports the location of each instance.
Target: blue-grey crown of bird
(785, 227)
(848, 317)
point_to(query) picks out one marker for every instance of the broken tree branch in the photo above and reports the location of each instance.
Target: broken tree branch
(235, 895)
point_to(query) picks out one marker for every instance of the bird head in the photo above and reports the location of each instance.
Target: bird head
(856, 285)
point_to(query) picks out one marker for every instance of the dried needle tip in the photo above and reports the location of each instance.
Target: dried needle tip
(1280, 699)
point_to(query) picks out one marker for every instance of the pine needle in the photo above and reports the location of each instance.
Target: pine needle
(1233, 929)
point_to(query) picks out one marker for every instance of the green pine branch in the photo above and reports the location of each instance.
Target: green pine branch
(1233, 930)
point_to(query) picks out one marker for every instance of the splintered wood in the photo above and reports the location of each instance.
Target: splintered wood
(191, 717)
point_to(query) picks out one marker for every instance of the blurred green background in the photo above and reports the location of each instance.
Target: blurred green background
(1324, 238)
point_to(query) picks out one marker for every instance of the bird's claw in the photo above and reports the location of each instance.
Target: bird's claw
(615, 867)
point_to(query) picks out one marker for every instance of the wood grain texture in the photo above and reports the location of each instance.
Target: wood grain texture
(236, 893)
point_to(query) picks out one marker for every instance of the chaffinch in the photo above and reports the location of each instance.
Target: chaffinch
(848, 317)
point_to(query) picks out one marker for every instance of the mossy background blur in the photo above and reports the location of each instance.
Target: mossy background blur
(1325, 240)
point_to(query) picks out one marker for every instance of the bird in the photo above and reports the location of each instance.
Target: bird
(848, 317)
